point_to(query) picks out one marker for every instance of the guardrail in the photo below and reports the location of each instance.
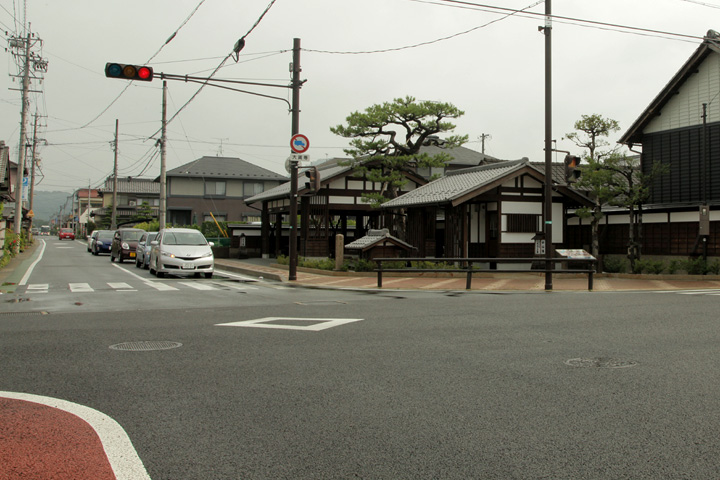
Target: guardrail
(469, 266)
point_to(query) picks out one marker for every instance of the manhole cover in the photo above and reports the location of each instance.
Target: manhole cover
(145, 346)
(600, 362)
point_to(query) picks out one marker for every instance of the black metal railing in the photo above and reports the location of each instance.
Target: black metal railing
(469, 266)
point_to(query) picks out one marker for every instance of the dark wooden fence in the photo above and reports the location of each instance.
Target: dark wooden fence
(469, 265)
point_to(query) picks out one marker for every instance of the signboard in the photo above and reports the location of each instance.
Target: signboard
(25, 188)
(581, 254)
(299, 143)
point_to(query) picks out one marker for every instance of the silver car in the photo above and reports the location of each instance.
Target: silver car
(181, 251)
(142, 252)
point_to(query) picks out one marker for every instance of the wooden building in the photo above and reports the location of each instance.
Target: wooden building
(493, 210)
(680, 129)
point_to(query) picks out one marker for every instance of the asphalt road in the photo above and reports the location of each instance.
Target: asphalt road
(425, 385)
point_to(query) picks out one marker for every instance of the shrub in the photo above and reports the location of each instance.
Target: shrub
(674, 266)
(654, 267)
(697, 266)
(614, 265)
(714, 267)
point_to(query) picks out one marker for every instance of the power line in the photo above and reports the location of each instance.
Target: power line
(153, 56)
(525, 13)
(238, 46)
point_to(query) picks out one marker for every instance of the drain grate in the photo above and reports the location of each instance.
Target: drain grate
(600, 362)
(145, 346)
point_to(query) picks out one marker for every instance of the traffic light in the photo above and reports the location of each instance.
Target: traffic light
(129, 72)
(313, 183)
(571, 164)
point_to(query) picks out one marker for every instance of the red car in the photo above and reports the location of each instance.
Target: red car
(66, 233)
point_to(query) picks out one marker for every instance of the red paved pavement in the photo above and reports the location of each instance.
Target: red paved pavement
(41, 442)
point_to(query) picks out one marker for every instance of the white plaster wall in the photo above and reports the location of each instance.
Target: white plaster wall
(685, 108)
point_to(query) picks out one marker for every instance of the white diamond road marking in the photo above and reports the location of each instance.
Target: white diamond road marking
(314, 324)
(80, 287)
(37, 288)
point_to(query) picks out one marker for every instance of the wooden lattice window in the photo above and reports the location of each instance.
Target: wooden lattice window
(521, 223)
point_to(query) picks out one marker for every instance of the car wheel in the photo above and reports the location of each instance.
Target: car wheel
(208, 275)
(197, 275)
(159, 274)
(137, 263)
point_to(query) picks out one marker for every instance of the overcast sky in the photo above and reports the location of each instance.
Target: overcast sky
(494, 73)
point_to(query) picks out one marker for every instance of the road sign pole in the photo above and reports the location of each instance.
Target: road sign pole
(296, 84)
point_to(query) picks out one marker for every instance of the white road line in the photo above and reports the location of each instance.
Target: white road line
(121, 454)
(80, 287)
(198, 286)
(30, 270)
(120, 286)
(164, 287)
(37, 288)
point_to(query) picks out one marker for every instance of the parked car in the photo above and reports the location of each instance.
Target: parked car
(125, 243)
(142, 254)
(181, 251)
(66, 233)
(91, 238)
(102, 242)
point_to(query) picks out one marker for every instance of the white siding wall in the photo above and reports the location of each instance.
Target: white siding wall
(685, 108)
(187, 186)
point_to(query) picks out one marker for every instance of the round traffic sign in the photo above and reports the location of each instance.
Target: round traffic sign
(299, 143)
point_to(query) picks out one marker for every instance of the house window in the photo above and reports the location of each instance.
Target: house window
(252, 188)
(218, 216)
(521, 223)
(216, 189)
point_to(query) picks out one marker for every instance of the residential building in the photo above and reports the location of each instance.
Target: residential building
(216, 187)
(680, 130)
(134, 195)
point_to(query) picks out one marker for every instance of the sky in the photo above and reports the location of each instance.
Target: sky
(354, 54)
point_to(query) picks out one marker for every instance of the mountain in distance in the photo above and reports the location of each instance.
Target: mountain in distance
(47, 205)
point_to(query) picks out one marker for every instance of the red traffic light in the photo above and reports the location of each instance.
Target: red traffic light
(128, 72)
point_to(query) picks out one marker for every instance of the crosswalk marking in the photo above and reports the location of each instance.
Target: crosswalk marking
(163, 287)
(127, 287)
(80, 287)
(38, 288)
(198, 286)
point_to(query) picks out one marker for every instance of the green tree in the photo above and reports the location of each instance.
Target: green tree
(612, 178)
(386, 141)
(599, 181)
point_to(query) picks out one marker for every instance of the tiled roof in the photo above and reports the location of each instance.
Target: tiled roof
(328, 171)
(456, 184)
(135, 185)
(224, 167)
(374, 237)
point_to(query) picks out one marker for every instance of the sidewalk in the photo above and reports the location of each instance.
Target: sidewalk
(268, 270)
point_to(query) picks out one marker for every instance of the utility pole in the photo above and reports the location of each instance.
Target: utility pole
(483, 136)
(547, 30)
(113, 218)
(163, 160)
(17, 224)
(296, 84)
(87, 218)
(31, 195)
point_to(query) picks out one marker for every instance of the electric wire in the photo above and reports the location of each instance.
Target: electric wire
(204, 84)
(148, 61)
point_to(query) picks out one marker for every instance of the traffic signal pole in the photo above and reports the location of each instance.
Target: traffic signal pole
(296, 84)
(163, 160)
(547, 30)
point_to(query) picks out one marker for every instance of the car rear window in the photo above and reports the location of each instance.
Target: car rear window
(184, 238)
(132, 235)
